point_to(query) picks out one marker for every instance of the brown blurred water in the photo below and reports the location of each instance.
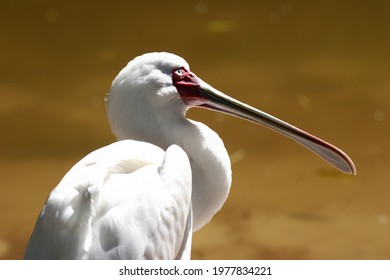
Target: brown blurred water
(321, 65)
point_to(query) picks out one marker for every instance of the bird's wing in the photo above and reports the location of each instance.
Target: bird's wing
(128, 200)
(185, 249)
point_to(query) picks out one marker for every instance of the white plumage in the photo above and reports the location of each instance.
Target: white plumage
(115, 204)
(142, 198)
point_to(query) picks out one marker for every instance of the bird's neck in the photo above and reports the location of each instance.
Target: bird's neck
(210, 163)
(211, 169)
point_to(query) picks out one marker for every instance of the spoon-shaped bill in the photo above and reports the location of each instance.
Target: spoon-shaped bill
(217, 101)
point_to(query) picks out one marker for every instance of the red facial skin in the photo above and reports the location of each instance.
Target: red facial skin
(187, 84)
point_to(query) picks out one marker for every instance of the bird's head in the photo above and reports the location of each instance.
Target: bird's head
(158, 88)
(142, 94)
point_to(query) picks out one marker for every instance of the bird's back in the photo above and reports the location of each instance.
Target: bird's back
(128, 200)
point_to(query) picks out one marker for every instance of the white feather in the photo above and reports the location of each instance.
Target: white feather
(128, 200)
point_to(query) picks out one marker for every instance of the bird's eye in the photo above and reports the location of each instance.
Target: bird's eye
(179, 72)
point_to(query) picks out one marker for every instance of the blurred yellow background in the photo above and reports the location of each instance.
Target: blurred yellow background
(323, 66)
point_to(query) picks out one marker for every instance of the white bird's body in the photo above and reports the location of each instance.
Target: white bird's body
(115, 204)
(143, 198)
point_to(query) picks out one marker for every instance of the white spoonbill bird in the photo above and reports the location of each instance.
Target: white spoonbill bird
(143, 196)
